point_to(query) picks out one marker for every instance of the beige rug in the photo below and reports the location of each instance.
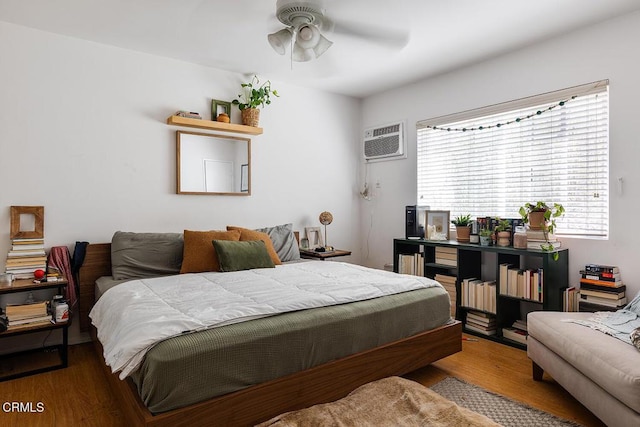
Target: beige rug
(392, 401)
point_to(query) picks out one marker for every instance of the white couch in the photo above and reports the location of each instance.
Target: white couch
(600, 371)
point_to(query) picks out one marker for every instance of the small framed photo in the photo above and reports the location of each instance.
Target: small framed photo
(219, 107)
(437, 225)
(27, 222)
(314, 237)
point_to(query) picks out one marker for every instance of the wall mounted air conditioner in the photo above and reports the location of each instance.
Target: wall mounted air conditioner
(385, 142)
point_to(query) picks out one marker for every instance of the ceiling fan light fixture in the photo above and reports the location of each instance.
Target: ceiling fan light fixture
(280, 40)
(300, 54)
(307, 36)
(322, 46)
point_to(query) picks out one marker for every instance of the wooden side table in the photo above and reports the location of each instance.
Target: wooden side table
(61, 349)
(309, 254)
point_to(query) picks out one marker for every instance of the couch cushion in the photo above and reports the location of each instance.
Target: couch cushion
(136, 255)
(609, 362)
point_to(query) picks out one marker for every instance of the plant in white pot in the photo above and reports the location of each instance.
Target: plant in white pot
(463, 228)
(485, 237)
(254, 95)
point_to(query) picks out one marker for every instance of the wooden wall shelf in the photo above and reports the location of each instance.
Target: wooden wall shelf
(208, 124)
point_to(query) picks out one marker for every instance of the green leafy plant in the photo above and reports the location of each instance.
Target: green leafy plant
(549, 226)
(485, 232)
(462, 220)
(550, 214)
(254, 94)
(503, 225)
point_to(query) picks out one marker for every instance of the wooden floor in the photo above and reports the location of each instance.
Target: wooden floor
(79, 395)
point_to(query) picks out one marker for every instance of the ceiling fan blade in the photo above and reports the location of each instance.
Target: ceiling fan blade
(392, 37)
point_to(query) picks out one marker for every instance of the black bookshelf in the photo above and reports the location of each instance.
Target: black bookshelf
(483, 262)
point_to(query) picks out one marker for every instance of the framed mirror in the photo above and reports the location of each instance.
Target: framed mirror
(213, 164)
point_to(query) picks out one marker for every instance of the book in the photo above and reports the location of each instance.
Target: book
(604, 301)
(480, 330)
(520, 324)
(600, 283)
(22, 311)
(585, 306)
(29, 320)
(570, 299)
(480, 318)
(607, 295)
(606, 277)
(516, 335)
(540, 244)
(599, 269)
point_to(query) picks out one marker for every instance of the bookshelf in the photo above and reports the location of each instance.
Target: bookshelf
(483, 262)
(31, 365)
(210, 125)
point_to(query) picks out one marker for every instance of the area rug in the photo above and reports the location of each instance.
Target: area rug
(393, 402)
(500, 409)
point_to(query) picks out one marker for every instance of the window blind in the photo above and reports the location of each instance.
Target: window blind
(560, 155)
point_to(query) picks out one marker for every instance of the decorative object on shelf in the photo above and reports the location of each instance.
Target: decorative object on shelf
(211, 125)
(474, 237)
(485, 237)
(503, 233)
(520, 238)
(254, 95)
(542, 217)
(188, 114)
(314, 237)
(220, 108)
(27, 222)
(325, 219)
(463, 227)
(437, 225)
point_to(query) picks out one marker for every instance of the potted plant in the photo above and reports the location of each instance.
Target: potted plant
(463, 228)
(503, 233)
(485, 237)
(254, 95)
(541, 216)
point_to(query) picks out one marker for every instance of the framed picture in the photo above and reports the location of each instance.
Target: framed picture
(218, 107)
(437, 225)
(244, 178)
(314, 237)
(27, 222)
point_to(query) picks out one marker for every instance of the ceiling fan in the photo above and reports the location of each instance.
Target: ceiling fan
(305, 22)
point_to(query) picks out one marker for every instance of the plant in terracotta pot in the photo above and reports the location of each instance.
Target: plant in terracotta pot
(542, 216)
(254, 95)
(463, 228)
(485, 237)
(503, 233)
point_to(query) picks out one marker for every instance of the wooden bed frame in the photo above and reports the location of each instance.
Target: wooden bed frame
(323, 383)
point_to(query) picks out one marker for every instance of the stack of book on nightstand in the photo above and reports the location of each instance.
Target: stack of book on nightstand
(481, 322)
(26, 256)
(601, 288)
(27, 314)
(517, 332)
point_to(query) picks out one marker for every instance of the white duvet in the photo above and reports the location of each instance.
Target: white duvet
(133, 316)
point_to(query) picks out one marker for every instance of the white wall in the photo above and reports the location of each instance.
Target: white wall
(608, 50)
(83, 133)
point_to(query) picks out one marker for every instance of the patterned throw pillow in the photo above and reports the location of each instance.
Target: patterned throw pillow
(635, 338)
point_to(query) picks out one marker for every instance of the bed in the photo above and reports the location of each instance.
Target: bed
(261, 387)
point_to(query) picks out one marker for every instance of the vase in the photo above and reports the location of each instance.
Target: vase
(463, 234)
(503, 238)
(485, 240)
(251, 117)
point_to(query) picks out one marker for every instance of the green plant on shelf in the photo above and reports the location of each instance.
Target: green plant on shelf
(462, 220)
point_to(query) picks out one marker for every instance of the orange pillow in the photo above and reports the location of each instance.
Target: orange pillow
(199, 254)
(247, 234)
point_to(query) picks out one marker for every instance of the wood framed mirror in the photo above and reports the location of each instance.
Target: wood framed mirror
(213, 164)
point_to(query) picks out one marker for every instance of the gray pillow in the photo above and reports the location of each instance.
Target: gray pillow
(138, 255)
(284, 242)
(242, 255)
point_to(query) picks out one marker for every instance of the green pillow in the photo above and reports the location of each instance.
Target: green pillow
(242, 255)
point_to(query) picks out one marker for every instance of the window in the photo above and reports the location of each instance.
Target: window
(552, 147)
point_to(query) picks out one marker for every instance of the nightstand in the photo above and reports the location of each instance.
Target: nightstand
(310, 254)
(7, 361)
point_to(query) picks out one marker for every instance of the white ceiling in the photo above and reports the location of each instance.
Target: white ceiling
(232, 34)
